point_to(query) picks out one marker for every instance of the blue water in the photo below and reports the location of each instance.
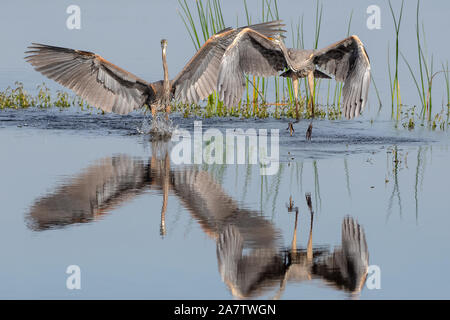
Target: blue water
(93, 198)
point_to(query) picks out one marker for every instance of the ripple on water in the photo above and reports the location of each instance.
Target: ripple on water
(329, 138)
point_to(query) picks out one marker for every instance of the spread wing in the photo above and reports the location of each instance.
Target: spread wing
(347, 266)
(98, 81)
(348, 61)
(99, 189)
(250, 53)
(198, 78)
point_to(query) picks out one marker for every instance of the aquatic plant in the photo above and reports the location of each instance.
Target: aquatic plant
(15, 97)
(424, 83)
(19, 98)
(393, 81)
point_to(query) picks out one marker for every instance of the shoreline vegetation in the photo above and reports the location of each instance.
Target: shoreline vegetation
(203, 18)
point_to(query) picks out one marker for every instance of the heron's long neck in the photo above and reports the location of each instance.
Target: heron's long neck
(166, 72)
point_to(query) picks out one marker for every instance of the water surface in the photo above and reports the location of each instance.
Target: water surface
(139, 226)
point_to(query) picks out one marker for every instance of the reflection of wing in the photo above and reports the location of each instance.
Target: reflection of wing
(348, 61)
(247, 243)
(214, 209)
(98, 81)
(98, 189)
(198, 78)
(354, 245)
(347, 266)
(250, 273)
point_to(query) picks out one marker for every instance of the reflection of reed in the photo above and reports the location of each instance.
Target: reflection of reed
(396, 188)
(317, 186)
(419, 176)
(251, 259)
(347, 178)
(396, 161)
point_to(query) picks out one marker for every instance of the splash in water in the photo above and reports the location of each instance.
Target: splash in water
(159, 127)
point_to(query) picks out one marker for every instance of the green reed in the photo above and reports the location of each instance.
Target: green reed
(425, 71)
(394, 82)
(424, 81)
(317, 26)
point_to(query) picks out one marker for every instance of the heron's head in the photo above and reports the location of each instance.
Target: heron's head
(277, 39)
(164, 45)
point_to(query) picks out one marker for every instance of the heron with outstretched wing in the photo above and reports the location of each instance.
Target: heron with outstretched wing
(252, 53)
(113, 89)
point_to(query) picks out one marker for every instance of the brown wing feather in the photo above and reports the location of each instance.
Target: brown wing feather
(348, 61)
(98, 81)
(250, 53)
(198, 79)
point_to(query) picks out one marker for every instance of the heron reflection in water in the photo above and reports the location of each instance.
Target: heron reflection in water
(251, 257)
(102, 187)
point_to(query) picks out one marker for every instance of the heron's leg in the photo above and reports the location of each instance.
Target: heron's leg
(311, 91)
(153, 108)
(311, 94)
(309, 131)
(168, 108)
(291, 208)
(294, 238)
(309, 250)
(292, 252)
(295, 84)
(309, 247)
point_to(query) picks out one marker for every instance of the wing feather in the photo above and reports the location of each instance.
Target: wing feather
(347, 60)
(198, 79)
(250, 53)
(99, 82)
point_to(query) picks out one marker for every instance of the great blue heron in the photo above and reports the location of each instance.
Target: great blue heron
(256, 54)
(112, 89)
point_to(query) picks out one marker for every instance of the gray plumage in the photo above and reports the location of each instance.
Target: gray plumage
(112, 89)
(253, 53)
